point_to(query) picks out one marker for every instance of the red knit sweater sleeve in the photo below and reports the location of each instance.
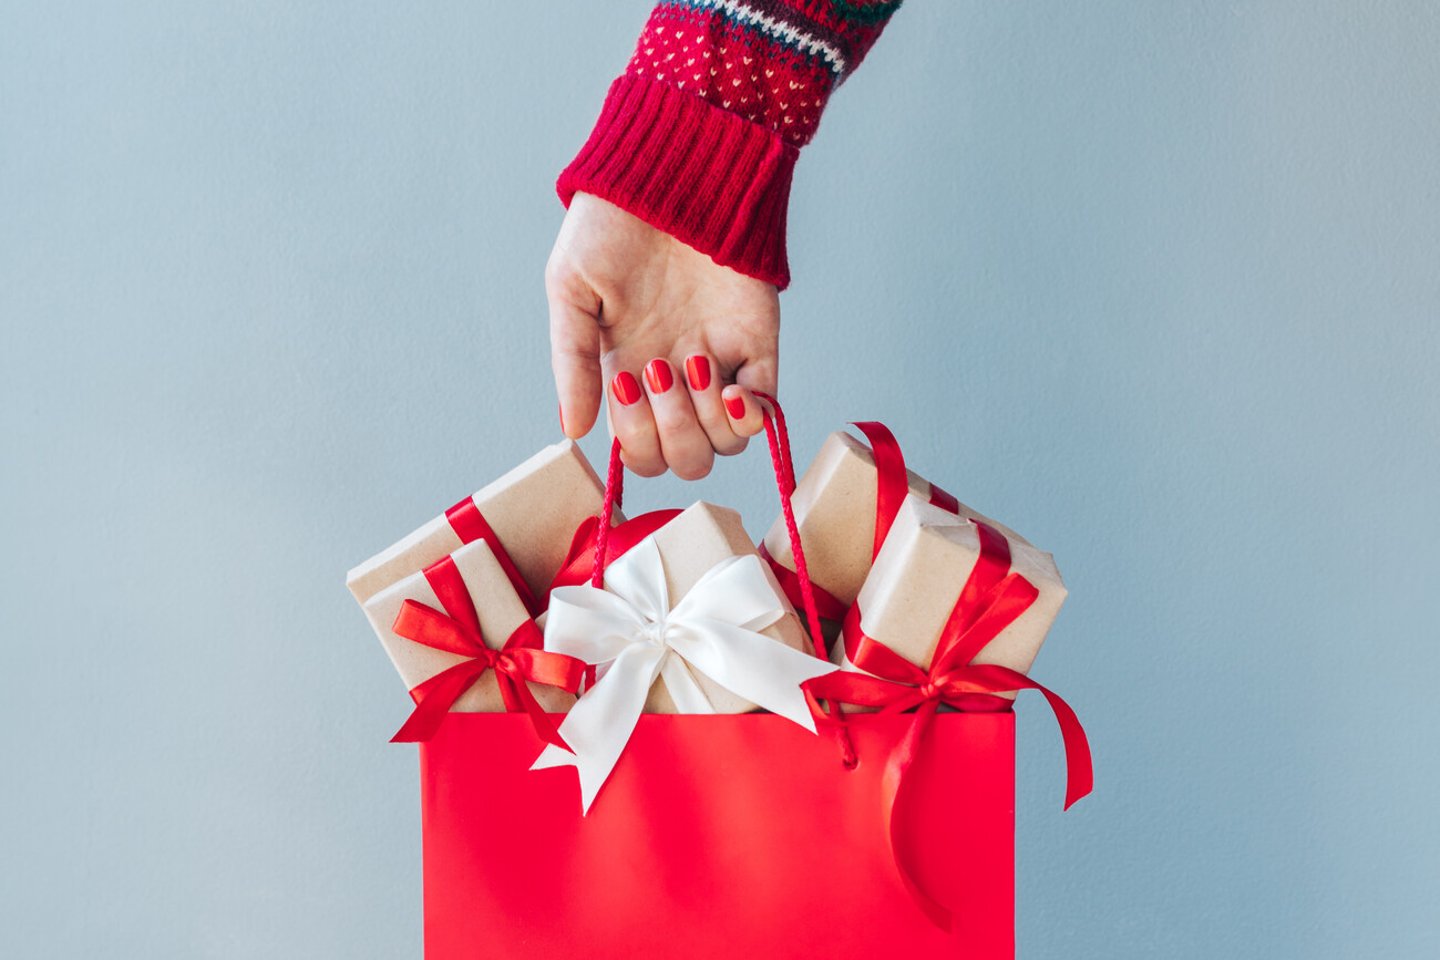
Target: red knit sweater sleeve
(700, 135)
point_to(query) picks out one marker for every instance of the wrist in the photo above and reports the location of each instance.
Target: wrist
(708, 177)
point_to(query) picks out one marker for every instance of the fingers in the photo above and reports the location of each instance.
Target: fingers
(683, 443)
(633, 424)
(758, 374)
(574, 352)
(741, 406)
(668, 420)
(705, 396)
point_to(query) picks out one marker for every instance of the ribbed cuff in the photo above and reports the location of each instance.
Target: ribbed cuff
(704, 175)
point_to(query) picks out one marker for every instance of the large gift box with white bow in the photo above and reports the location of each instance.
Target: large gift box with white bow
(634, 741)
(690, 621)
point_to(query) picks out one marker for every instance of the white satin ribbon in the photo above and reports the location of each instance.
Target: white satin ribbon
(633, 633)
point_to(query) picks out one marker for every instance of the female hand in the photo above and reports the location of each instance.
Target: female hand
(674, 341)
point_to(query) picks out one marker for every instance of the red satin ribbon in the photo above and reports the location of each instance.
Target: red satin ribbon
(827, 604)
(521, 661)
(470, 525)
(579, 563)
(892, 482)
(991, 599)
(944, 500)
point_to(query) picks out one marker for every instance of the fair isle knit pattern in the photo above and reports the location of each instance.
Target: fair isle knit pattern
(771, 62)
(699, 136)
(773, 28)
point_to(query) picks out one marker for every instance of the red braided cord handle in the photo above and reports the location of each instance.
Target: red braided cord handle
(778, 437)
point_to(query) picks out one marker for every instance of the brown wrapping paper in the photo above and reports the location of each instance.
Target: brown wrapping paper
(834, 505)
(690, 545)
(500, 611)
(917, 578)
(534, 510)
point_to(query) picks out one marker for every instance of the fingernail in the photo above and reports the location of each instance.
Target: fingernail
(561, 411)
(735, 406)
(697, 368)
(625, 387)
(658, 375)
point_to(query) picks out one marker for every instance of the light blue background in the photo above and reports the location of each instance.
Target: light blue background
(1156, 283)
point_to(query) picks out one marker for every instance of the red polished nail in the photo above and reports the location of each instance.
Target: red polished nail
(658, 375)
(736, 407)
(625, 387)
(697, 368)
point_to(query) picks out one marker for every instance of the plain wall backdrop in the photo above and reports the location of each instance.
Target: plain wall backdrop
(1155, 283)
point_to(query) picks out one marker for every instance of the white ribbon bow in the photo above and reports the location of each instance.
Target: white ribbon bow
(633, 633)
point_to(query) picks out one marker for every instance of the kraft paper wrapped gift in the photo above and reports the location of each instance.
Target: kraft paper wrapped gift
(834, 504)
(700, 537)
(917, 578)
(533, 510)
(500, 612)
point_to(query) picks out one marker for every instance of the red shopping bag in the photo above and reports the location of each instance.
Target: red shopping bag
(716, 836)
(735, 835)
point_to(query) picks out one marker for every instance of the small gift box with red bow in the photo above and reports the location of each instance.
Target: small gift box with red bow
(462, 640)
(454, 601)
(935, 567)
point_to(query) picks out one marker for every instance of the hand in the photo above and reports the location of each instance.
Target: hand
(675, 341)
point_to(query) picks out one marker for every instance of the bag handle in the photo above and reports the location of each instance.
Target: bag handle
(777, 436)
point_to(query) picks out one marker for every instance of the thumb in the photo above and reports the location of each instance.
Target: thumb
(759, 348)
(575, 354)
(760, 373)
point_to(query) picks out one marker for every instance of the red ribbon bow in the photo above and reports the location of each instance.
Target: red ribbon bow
(991, 599)
(521, 661)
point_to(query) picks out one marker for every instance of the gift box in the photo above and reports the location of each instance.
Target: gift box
(928, 559)
(835, 504)
(529, 515)
(497, 609)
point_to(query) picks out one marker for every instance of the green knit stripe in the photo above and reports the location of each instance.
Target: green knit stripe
(869, 13)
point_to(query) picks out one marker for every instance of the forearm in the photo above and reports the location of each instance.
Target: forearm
(700, 135)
